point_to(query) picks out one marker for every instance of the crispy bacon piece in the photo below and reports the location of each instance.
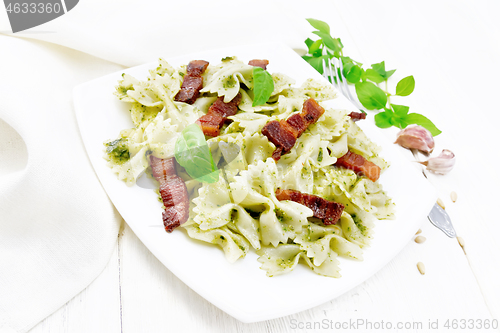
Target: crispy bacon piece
(190, 89)
(283, 134)
(196, 67)
(262, 63)
(355, 116)
(210, 124)
(328, 211)
(218, 112)
(192, 83)
(173, 192)
(359, 164)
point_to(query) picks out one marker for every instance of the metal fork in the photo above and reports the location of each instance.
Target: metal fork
(335, 75)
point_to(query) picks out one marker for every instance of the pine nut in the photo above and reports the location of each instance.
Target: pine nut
(420, 239)
(461, 241)
(440, 203)
(421, 267)
(419, 231)
(453, 196)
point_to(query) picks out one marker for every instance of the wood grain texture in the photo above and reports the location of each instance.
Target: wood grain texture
(451, 48)
(150, 291)
(96, 309)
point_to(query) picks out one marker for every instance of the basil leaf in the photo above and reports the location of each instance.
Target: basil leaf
(263, 86)
(400, 110)
(339, 42)
(352, 72)
(389, 73)
(192, 152)
(320, 25)
(383, 119)
(380, 69)
(400, 119)
(315, 48)
(418, 119)
(309, 42)
(372, 75)
(316, 62)
(371, 96)
(363, 75)
(402, 123)
(333, 44)
(346, 60)
(405, 86)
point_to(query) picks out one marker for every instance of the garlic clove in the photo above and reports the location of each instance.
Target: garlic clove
(441, 164)
(417, 137)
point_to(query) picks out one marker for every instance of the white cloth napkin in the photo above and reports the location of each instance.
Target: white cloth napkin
(57, 226)
(131, 32)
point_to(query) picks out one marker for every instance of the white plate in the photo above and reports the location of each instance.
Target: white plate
(242, 289)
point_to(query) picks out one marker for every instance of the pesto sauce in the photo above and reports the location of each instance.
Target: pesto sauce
(359, 224)
(123, 90)
(280, 214)
(229, 83)
(118, 151)
(320, 155)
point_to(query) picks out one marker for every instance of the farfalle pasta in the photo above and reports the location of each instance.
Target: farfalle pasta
(240, 212)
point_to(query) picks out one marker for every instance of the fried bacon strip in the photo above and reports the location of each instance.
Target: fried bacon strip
(173, 192)
(328, 211)
(283, 134)
(262, 63)
(196, 67)
(192, 83)
(359, 164)
(355, 116)
(218, 112)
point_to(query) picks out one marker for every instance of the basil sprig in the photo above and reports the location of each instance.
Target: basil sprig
(398, 116)
(366, 81)
(192, 153)
(263, 86)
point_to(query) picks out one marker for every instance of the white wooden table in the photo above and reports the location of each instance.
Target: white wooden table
(452, 48)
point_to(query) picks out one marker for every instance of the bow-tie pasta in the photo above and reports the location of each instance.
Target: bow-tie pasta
(241, 210)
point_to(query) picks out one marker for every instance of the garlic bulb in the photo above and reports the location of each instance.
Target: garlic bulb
(441, 164)
(417, 137)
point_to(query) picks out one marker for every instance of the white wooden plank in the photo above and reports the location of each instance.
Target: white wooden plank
(95, 309)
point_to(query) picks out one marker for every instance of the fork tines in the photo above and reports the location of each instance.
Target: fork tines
(336, 77)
